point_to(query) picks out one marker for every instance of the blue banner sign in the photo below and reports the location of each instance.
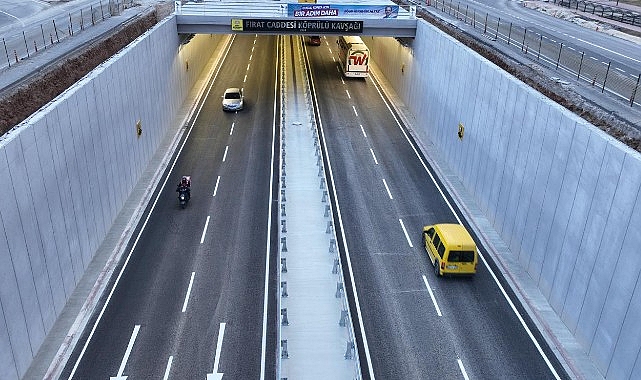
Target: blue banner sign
(359, 11)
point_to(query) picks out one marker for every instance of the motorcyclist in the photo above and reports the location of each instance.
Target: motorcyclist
(184, 185)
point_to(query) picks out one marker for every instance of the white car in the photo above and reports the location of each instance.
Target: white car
(233, 99)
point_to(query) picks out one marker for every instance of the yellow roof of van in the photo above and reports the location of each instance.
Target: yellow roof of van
(455, 234)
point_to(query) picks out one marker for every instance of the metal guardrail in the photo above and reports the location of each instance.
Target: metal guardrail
(344, 320)
(615, 13)
(24, 44)
(544, 50)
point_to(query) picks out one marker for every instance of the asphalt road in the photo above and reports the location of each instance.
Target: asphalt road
(625, 54)
(14, 13)
(386, 196)
(190, 300)
(191, 297)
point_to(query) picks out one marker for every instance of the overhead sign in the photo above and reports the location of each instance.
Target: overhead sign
(342, 10)
(295, 26)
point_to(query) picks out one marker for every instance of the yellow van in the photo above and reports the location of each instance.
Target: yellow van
(451, 249)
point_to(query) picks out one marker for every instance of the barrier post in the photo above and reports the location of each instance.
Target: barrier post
(578, 75)
(55, 30)
(559, 57)
(485, 28)
(6, 52)
(24, 36)
(606, 77)
(44, 41)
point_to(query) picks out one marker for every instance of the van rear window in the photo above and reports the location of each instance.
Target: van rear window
(461, 257)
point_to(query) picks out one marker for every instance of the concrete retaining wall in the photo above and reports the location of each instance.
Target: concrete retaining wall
(563, 195)
(67, 171)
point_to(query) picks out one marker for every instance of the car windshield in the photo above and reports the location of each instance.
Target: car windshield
(232, 95)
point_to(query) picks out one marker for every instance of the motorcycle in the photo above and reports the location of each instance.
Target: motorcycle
(183, 196)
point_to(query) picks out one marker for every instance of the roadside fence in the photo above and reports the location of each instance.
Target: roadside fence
(545, 50)
(38, 37)
(612, 12)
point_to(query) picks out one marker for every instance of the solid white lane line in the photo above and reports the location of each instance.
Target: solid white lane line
(354, 108)
(232, 128)
(496, 281)
(398, 124)
(429, 290)
(168, 369)
(153, 206)
(363, 130)
(123, 363)
(225, 154)
(348, 96)
(202, 238)
(458, 219)
(460, 365)
(520, 318)
(406, 235)
(373, 155)
(191, 283)
(359, 314)
(387, 188)
(266, 294)
(216, 187)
